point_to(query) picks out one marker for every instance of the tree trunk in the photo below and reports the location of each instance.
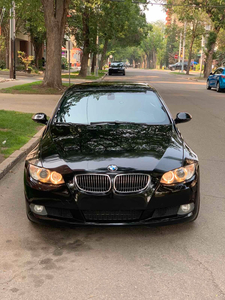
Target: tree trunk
(154, 59)
(208, 64)
(86, 50)
(209, 57)
(37, 51)
(84, 63)
(55, 13)
(93, 63)
(191, 46)
(103, 58)
(189, 56)
(148, 61)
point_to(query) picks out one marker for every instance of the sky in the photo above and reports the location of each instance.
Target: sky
(155, 13)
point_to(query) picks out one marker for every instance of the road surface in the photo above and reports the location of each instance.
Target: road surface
(171, 262)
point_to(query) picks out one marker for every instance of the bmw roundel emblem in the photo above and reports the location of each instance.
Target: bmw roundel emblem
(112, 168)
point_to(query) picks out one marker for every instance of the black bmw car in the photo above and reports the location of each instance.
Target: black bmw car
(111, 154)
(117, 67)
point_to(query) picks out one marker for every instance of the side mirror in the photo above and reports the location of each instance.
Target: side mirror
(182, 117)
(40, 118)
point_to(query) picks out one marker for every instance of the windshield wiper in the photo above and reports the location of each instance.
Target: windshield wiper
(117, 122)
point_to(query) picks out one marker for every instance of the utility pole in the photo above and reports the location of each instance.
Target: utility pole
(202, 45)
(12, 48)
(185, 24)
(180, 47)
(69, 61)
(96, 68)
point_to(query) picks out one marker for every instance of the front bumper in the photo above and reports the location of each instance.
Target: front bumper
(116, 71)
(159, 205)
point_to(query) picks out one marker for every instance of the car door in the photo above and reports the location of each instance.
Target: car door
(215, 77)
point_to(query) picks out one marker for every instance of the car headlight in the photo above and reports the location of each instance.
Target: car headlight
(178, 175)
(45, 175)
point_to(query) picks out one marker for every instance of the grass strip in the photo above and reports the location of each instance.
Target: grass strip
(73, 75)
(33, 88)
(16, 129)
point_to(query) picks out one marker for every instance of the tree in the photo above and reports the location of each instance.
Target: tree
(195, 20)
(172, 34)
(33, 25)
(152, 44)
(55, 15)
(99, 17)
(128, 30)
(83, 23)
(215, 12)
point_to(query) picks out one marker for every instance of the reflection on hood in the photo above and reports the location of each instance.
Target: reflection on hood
(108, 139)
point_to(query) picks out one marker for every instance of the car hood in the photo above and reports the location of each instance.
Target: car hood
(129, 147)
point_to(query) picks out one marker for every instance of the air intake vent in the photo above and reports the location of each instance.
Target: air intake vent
(129, 183)
(112, 216)
(94, 183)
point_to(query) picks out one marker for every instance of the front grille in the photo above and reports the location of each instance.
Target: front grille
(94, 183)
(128, 183)
(112, 216)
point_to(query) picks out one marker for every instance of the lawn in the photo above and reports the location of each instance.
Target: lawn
(92, 77)
(16, 129)
(33, 88)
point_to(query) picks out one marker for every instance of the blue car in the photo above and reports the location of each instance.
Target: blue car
(216, 80)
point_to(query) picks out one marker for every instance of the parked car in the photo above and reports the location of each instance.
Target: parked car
(117, 67)
(216, 80)
(178, 66)
(111, 153)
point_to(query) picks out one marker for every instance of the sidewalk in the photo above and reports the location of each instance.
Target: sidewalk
(6, 82)
(31, 103)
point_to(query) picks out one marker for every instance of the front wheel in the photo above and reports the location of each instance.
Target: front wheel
(208, 86)
(123, 73)
(218, 87)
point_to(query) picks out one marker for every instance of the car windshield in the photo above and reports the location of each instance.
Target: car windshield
(116, 64)
(112, 107)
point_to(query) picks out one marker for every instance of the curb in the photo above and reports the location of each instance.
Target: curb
(104, 76)
(16, 156)
(99, 79)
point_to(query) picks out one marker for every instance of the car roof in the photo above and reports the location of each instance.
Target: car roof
(110, 86)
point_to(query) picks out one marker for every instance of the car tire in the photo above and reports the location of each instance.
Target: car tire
(218, 89)
(208, 87)
(109, 73)
(123, 73)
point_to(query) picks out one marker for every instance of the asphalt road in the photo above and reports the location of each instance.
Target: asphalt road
(171, 262)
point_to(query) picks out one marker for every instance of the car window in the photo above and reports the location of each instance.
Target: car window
(140, 107)
(116, 64)
(218, 71)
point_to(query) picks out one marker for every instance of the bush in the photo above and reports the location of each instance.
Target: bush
(2, 64)
(20, 68)
(64, 63)
(197, 67)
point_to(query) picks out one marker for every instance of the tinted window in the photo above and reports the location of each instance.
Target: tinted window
(118, 64)
(218, 71)
(140, 107)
